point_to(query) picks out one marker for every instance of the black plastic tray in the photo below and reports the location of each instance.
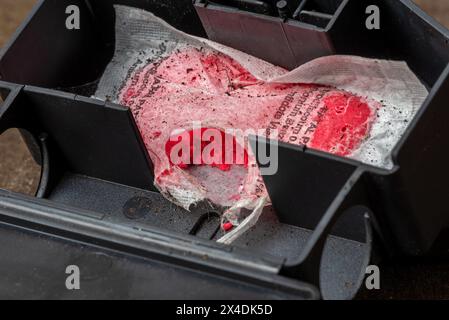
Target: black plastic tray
(96, 181)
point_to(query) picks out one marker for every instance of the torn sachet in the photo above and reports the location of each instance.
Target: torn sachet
(195, 102)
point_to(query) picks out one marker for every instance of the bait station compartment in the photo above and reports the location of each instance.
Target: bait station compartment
(97, 182)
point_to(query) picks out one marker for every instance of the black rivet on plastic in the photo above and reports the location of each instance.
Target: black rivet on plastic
(282, 7)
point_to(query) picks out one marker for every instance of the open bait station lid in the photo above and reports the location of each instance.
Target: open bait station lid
(96, 177)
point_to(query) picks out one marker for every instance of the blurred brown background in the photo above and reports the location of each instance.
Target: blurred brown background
(439, 9)
(19, 173)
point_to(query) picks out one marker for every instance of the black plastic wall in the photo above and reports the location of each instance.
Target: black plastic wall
(63, 58)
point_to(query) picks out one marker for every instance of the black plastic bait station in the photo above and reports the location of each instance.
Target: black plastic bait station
(96, 197)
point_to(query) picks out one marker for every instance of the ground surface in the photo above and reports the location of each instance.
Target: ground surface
(18, 173)
(17, 170)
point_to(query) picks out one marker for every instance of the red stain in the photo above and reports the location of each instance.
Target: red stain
(344, 125)
(236, 197)
(222, 156)
(156, 134)
(164, 173)
(220, 67)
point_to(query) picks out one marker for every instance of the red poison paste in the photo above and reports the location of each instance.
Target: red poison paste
(203, 86)
(215, 157)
